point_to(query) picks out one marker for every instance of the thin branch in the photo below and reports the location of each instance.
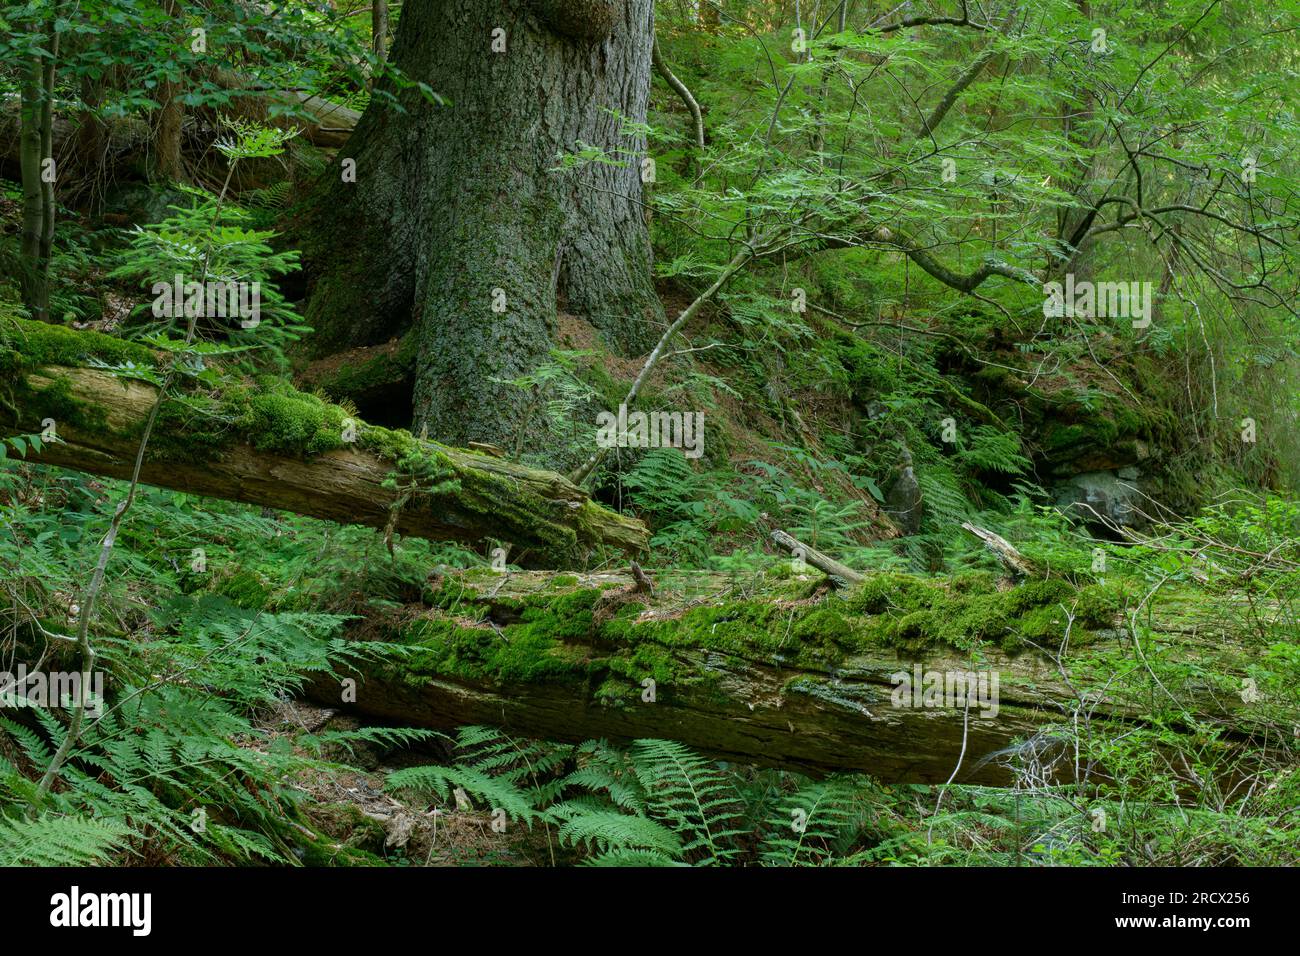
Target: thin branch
(682, 91)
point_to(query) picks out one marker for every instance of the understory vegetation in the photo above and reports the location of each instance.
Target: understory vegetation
(284, 690)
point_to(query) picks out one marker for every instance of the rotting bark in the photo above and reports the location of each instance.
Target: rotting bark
(840, 574)
(287, 450)
(460, 226)
(775, 674)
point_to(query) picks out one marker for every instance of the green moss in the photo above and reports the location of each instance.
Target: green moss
(190, 428)
(560, 637)
(914, 614)
(56, 401)
(373, 375)
(292, 423)
(538, 647)
(27, 344)
(881, 592)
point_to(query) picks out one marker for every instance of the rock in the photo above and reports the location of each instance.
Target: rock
(1102, 498)
(903, 502)
(142, 204)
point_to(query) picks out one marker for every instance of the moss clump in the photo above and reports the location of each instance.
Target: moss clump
(914, 614)
(650, 661)
(538, 647)
(292, 422)
(190, 428)
(882, 592)
(56, 401)
(444, 647)
(26, 345)
(372, 376)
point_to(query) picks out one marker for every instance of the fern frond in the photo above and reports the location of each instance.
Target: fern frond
(807, 821)
(497, 792)
(684, 789)
(60, 841)
(606, 829)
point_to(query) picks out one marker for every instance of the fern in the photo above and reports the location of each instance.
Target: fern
(497, 792)
(808, 823)
(606, 829)
(624, 856)
(694, 797)
(60, 841)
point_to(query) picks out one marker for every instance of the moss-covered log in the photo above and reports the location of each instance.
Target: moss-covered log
(786, 673)
(266, 443)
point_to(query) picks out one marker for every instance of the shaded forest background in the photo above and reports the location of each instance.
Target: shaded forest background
(829, 229)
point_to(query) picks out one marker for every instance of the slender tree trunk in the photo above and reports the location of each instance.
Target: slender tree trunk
(460, 224)
(36, 152)
(379, 29)
(168, 123)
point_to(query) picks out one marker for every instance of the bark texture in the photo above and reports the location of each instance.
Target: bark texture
(168, 121)
(461, 226)
(36, 149)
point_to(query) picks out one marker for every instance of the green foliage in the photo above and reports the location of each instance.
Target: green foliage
(59, 840)
(879, 215)
(206, 245)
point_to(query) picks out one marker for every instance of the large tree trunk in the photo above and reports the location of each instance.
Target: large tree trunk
(285, 450)
(745, 670)
(458, 222)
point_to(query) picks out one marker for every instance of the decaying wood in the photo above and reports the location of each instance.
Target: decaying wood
(330, 124)
(547, 519)
(840, 574)
(126, 139)
(762, 707)
(1003, 550)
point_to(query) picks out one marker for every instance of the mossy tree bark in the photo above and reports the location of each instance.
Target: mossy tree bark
(460, 225)
(273, 446)
(780, 673)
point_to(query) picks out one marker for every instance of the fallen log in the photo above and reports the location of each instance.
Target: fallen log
(840, 574)
(271, 445)
(122, 143)
(121, 149)
(1002, 549)
(329, 125)
(788, 673)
